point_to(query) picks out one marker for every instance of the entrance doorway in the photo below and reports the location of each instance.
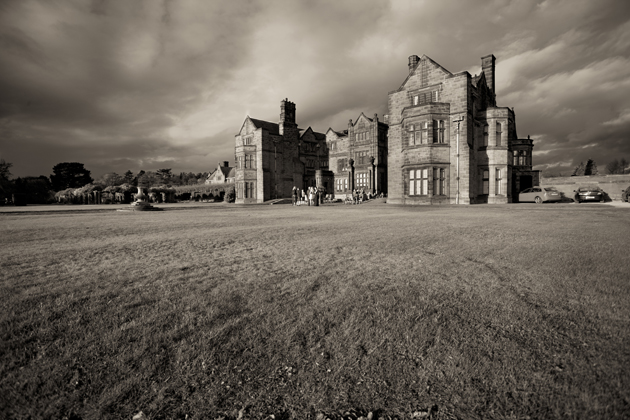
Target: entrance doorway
(520, 183)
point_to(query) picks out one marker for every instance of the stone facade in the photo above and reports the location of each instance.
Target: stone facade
(444, 141)
(273, 158)
(268, 159)
(449, 142)
(358, 156)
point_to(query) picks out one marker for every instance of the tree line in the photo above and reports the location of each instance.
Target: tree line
(74, 175)
(617, 166)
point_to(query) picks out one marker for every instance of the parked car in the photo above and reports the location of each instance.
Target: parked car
(539, 195)
(625, 195)
(588, 194)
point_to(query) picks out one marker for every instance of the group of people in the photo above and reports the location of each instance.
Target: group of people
(312, 196)
(309, 196)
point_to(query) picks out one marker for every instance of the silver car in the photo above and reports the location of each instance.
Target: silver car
(539, 195)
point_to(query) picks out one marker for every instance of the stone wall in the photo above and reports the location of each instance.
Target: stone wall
(611, 184)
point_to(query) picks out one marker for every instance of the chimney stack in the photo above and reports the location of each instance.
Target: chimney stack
(287, 112)
(487, 66)
(413, 62)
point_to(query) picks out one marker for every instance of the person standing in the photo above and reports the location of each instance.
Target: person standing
(294, 196)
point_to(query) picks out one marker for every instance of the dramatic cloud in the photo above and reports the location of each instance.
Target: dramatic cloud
(136, 85)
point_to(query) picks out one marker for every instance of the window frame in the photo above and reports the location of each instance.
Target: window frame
(439, 181)
(498, 180)
(499, 133)
(418, 182)
(485, 182)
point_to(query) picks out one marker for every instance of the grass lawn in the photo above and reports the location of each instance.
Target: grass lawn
(516, 311)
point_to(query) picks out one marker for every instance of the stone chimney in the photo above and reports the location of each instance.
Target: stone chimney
(413, 62)
(287, 112)
(487, 66)
(225, 164)
(287, 126)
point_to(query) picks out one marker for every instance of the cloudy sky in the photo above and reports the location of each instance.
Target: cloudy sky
(133, 84)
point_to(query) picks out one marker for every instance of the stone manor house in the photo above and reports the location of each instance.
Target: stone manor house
(444, 140)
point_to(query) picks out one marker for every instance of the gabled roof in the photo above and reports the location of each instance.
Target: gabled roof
(318, 136)
(231, 173)
(359, 117)
(424, 57)
(225, 169)
(338, 133)
(272, 128)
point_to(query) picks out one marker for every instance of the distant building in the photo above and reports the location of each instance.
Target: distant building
(223, 174)
(444, 141)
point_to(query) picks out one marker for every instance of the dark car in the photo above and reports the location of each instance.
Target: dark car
(588, 194)
(539, 195)
(625, 195)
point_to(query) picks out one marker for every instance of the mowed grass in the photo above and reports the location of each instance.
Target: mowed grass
(517, 311)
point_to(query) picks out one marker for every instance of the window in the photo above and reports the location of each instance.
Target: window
(520, 157)
(245, 190)
(249, 190)
(362, 136)
(323, 163)
(361, 179)
(419, 181)
(485, 135)
(486, 182)
(425, 98)
(361, 157)
(439, 181)
(497, 183)
(247, 162)
(498, 134)
(341, 165)
(438, 131)
(332, 146)
(340, 184)
(247, 141)
(418, 134)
